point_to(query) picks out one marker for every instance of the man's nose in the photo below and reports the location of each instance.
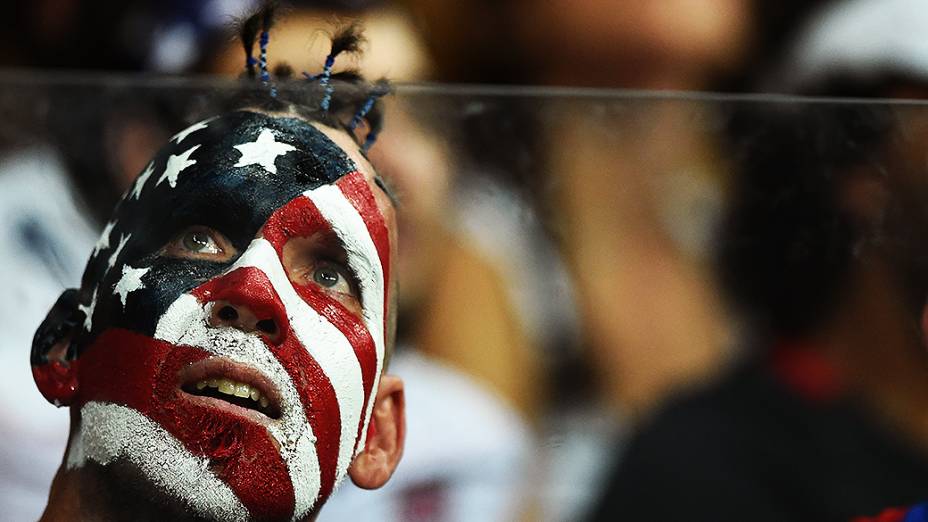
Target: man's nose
(245, 299)
(226, 313)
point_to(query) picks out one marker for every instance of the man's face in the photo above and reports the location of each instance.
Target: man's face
(236, 311)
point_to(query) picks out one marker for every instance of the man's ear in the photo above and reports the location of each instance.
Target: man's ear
(385, 437)
(54, 364)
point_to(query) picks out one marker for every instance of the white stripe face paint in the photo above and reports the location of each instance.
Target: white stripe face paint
(121, 433)
(364, 261)
(324, 343)
(185, 323)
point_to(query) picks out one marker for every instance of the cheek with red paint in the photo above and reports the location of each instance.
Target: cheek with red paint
(298, 219)
(132, 370)
(250, 287)
(301, 218)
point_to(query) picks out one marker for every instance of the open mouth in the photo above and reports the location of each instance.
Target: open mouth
(217, 379)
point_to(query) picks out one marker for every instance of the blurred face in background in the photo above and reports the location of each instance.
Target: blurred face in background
(669, 44)
(672, 44)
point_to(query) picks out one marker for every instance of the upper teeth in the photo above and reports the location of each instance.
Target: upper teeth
(238, 389)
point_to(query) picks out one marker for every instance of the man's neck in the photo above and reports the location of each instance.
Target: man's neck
(97, 493)
(112, 493)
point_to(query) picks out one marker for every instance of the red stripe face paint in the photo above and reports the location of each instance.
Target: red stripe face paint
(250, 287)
(236, 448)
(355, 187)
(239, 386)
(301, 219)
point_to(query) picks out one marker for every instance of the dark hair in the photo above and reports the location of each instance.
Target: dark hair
(342, 100)
(77, 121)
(786, 242)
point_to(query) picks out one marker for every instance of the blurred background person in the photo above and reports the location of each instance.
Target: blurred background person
(822, 256)
(631, 191)
(630, 204)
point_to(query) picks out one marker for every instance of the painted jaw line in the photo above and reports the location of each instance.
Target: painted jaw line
(279, 452)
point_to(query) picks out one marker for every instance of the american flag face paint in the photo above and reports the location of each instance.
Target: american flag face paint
(158, 327)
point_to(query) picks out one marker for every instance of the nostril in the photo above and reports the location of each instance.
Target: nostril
(242, 317)
(227, 313)
(267, 326)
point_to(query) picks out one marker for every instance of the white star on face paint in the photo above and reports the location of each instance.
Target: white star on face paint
(130, 281)
(263, 151)
(104, 242)
(179, 137)
(88, 311)
(175, 165)
(123, 239)
(141, 180)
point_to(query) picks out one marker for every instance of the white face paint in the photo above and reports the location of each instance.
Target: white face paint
(88, 310)
(182, 135)
(176, 165)
(104, 242)
(123, 239)
(263, 151)
(364, 262)
(141, 181)
(129, 281)
(121, 433)
(186, 324)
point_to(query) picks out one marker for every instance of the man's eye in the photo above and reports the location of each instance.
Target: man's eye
(200, 242)
(334, 278)
(320, 262)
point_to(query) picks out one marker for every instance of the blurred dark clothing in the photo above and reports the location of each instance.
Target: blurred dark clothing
(751, 447)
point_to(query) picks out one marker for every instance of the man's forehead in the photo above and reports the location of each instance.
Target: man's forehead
(233, 170)
(253, 144)
(385, 200)
(231, 173)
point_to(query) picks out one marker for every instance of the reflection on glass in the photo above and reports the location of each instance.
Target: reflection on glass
(722, 296)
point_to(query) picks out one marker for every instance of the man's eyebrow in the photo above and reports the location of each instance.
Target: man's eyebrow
(385, 187)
